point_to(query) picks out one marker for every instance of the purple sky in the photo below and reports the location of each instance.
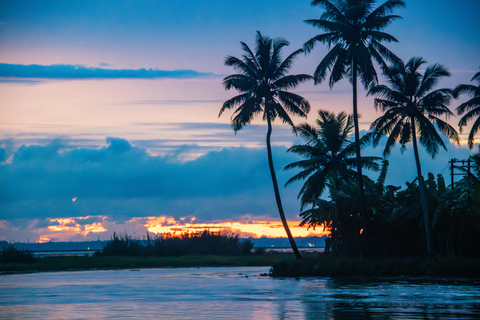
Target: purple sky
(133, 143)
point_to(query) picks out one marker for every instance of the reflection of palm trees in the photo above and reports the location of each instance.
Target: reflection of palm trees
(354, 34)
(410, 107)
(471, 107)
(263, 82)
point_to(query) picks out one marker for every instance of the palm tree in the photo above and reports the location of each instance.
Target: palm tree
(472, 107)
(411, 106)
(354, 37)
(262, 82)
(328, 155)
(329, 162)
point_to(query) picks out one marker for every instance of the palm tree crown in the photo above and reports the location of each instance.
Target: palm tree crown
(354, 35)
(329, 155)
(263, 82)
(410, 105)
(471, 107)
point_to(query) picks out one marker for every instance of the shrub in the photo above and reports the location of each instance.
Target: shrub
(11, 254)
(205, 242)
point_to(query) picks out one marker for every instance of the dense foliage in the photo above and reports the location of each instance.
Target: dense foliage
(205, 242)
(11, 254)
(396, 217)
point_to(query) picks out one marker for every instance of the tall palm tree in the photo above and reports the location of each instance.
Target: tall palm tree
(472, 107)
(354, 37)
(328, 155)
(263, 84)
(411, 106)
(329, 161)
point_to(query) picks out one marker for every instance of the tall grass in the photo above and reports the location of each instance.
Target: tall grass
(201, 243)
(10, 254)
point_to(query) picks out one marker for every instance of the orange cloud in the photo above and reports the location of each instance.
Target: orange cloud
(254, 229)
(65, 228)
(95, 227)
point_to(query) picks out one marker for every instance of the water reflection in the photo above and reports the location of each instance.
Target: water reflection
(374, 299)
(228, 293)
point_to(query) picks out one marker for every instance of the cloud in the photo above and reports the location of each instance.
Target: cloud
(67, 71)
(22, 81)
(122, 181)
(119, 184)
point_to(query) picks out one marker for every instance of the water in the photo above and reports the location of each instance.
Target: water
(228, 293)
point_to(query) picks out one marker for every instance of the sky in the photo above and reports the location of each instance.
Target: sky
(109, 113)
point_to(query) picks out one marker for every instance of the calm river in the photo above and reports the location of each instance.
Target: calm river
(228, 293)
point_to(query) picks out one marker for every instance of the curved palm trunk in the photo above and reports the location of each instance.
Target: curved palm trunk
(361, 189)
(421, 185)
(277, 193)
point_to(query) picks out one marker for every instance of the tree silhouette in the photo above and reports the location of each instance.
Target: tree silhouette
(263, 84)
(354, 37)
(411, 107)
(329, 155)
(471, 107)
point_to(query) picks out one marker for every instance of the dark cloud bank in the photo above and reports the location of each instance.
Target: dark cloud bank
(123, 181)
(67, 71)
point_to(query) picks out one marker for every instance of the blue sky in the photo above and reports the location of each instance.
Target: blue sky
(116, 103)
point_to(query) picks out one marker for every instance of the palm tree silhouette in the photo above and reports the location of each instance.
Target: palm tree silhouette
(354, 37)
(329, 155)
(472, 107)
(263, 82)
(411, 107)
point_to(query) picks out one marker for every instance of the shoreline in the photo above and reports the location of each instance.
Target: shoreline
(283, 265)
(85, 263)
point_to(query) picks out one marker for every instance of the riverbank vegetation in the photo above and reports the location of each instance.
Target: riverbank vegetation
(167, 245)
(137, 262)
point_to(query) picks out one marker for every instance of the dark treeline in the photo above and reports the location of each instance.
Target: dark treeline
(205, 242)
(396, 217)
(12, 254)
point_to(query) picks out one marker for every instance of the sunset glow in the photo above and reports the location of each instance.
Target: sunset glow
(65, 229)
(255, 229)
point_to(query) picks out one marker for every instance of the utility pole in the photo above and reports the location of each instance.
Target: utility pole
(451, 172)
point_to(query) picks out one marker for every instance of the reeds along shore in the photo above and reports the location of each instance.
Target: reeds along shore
(205, 242)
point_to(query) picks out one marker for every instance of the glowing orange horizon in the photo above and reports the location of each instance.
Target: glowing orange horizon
(255, 229)
(63, 229)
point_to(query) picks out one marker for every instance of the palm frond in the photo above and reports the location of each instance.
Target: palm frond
(473, 132)
(231, 103)
(430, 78)
(467, 89)
(428, 136)
(294, 103)
(331, 11)
(471, 104)
(291, 81)
(447, 129)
